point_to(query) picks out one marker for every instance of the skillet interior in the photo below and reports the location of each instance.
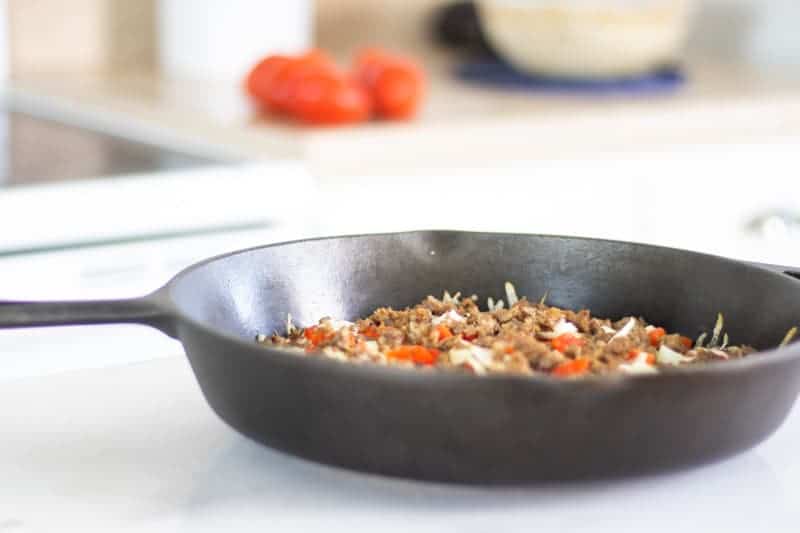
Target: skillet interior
(251, 292)
(454, 428)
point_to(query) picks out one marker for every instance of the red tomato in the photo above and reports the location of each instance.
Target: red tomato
(397, 92)
(655, 336)
(633, 354)
(259, 81)
(324, 98)
(395, 84)
(443, 332)
(575, 367)
(417, 354)
(369, 63)
(562, 342)
(309, 88)
(315, 336)
(292, 74)
(263, 82)
(371, 332)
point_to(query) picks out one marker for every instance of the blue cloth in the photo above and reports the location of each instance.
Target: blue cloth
(501, 75)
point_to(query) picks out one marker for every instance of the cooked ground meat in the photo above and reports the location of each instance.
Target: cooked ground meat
(453, 334)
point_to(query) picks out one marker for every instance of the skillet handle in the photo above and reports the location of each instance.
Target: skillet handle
(148, 310)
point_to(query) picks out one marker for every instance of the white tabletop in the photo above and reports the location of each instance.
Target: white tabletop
(136, 448)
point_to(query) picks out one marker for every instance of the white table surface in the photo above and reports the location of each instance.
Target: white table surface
(136, 448)
(91, 440)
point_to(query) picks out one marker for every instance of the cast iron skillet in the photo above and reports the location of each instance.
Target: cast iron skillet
(458, 428)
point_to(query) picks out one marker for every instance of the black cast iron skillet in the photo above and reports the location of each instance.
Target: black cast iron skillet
(451, 427)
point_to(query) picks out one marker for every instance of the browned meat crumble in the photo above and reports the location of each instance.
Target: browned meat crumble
(453, 334)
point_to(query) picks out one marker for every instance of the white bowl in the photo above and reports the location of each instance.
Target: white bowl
(587, 38)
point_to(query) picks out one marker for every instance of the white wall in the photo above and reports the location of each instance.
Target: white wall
(766, 32)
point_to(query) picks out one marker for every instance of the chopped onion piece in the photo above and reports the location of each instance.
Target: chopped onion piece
(484, 355)
(607, 329)
(474, 356)
(648, 329)
(290, 329)
(449, 315)
(724, 341)
(459, 356)
(626, 329)
(260, 337)
(562, 327)
(668, 356)
(789, 336)
(544, 297)
(699, 342)
(511, 294)
(446, 298)
(372, 347)
(717, 330)
(494, 306)
(639, 365)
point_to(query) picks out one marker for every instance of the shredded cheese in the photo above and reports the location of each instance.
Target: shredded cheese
(511, 294)
(717, 330)
(789, 336)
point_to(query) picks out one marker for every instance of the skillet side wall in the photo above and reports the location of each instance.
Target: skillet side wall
(452, 428)
(462, 429)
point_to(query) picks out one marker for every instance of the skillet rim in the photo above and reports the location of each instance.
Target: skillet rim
(764, 358)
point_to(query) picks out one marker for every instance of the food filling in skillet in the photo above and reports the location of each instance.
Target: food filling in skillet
(525, 337)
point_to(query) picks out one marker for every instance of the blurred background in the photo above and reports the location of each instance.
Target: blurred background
(130, 147)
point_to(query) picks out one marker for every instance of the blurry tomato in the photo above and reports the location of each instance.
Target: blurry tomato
(368, 64)
(308, 87)
(259, 81)
(325, 98)
(397, 92)
(395, 84)
(292, 78)
(293, 73)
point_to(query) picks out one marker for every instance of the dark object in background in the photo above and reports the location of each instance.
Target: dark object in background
(459, 428)
(457, 26)
(503, 76)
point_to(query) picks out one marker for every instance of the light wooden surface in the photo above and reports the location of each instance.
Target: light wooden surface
(461, 124)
